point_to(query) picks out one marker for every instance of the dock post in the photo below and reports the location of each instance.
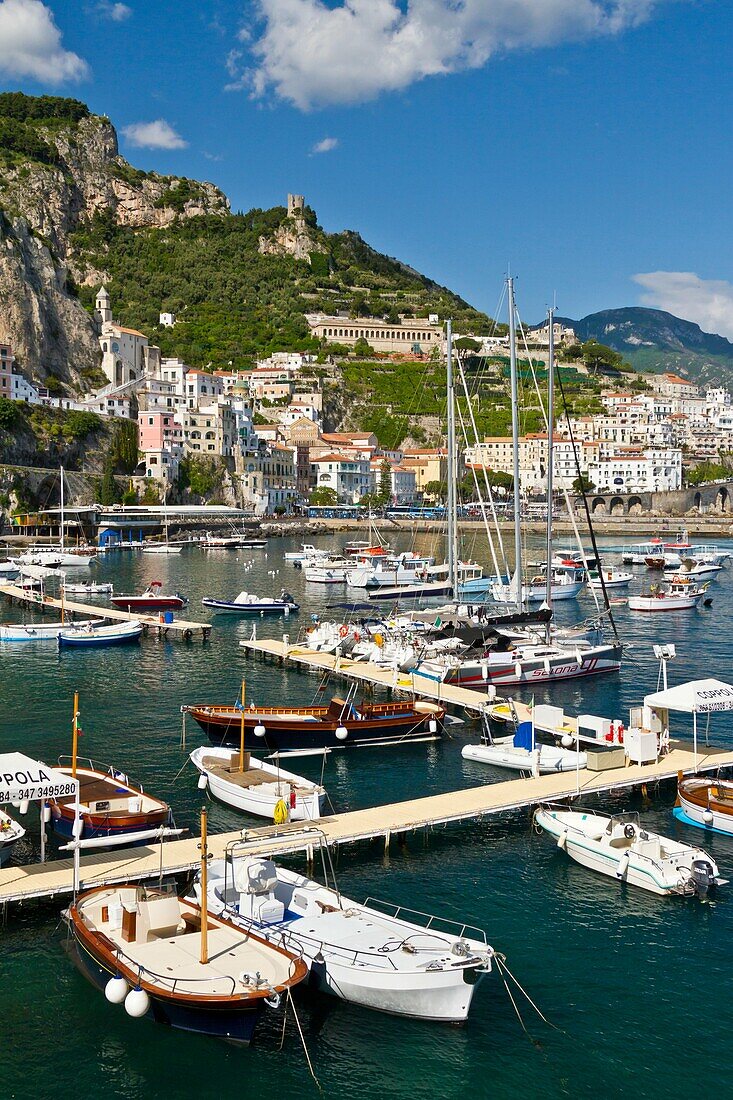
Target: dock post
(387, 837)
(183, 729)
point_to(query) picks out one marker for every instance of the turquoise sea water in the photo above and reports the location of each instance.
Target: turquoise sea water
(637, 987)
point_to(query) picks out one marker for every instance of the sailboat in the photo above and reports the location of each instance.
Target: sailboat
(164, 547)
(61, 556)
(515, 657)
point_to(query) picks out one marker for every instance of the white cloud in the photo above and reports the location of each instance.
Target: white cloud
(325, 146)
(154, 135)
(314, 54)
(30, 45)
(118, 13)
(708, 302)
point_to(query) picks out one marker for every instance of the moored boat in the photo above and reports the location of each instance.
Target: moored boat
(706, 802)
(152, 599)
(109, 634)
(168, 959)
(521, 752)
(341, 724)
(377, 955)
(246, 603)
(682, 594)
(257, 787)
(92, 589)
(609, 578)
(10, 833)
(621, 848)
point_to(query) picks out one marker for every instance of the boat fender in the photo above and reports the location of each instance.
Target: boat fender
(273, 1001)
(203, 780)
(116, 990)
(566, 740)
(259, 730)
(281, 813)
(629, 831)
(137, 1003)
(432, 725)
(341, 733)
(292, 798)
(562, 840)
(707, 816)
(623, 865)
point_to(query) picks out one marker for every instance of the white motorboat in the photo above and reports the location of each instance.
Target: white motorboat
(325, 573)
(376, 955)
(521, 752)
(9, 570)
(52, 557)
(619, 847)
(612, 578)
(567, 583)
(259, 788)
(682, 594)
(161, 548)
(10, 833)
(694, 569)
(386, 572)
(307, 551)
(91, 589)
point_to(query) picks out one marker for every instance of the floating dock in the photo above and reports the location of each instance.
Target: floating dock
(179, 628)
(177, 857)
(368, 673)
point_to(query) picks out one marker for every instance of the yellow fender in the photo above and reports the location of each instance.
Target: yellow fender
(281, 813)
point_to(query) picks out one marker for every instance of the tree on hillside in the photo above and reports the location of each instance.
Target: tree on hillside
(125, 446)
(436, 490)
(363, 347)
(600, 357)
(109, 492)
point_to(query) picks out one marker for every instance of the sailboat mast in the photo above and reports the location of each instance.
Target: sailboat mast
(515, 442)
(451, 469)
(550, 449)
(62, 507)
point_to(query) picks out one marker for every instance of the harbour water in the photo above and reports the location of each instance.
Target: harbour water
(637, 987)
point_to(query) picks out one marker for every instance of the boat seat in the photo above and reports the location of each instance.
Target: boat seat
(158, 918)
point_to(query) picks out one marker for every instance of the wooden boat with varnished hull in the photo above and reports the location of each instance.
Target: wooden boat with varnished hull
(707, 803)
(143, 948)
(339, 725)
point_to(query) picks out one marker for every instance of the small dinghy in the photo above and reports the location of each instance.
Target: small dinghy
(377, 955)
(152, 599)
(111, 634)
(10, 833)
(248, 604)
(166, 958)
(620, 848)
(522, 753)
(257, 787)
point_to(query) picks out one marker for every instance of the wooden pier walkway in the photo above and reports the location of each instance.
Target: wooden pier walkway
(366, 672)
(181, 628)
(174, 857)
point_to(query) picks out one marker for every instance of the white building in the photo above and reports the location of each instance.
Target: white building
(348, 475)
(126, 354)
(167, 320)
(631, 470)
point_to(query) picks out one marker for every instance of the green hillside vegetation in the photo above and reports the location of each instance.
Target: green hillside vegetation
(233, 303)
(23, 120)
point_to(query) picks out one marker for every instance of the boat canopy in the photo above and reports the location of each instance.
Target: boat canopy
(694, 697)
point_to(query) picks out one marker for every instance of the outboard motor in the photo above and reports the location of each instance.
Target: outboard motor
(702, 877)
(286, 596)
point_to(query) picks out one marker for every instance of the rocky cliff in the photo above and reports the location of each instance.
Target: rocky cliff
(61, 173)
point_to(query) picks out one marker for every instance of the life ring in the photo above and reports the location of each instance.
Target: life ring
(343, 631)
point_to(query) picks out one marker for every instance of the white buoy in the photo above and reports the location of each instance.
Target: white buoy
(707, 816)
(433, 726)
(116, 990)
(566, 741)
(260, 730)
(341, 733)
(24, 806)
(518, 670)
(203, 780)
(137, 1003)
(77, 828)
(46, 814)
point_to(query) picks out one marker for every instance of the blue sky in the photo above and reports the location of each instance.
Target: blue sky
(581, 142)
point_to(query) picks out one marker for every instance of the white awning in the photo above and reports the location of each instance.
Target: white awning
(23, 779)
(694, 697)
